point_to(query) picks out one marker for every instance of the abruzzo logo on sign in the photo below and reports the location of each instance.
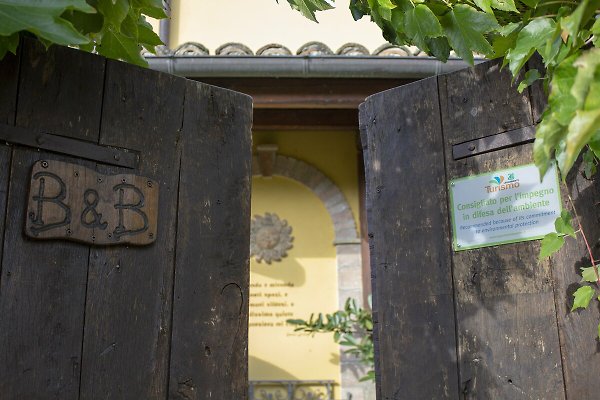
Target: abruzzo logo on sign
(503, 207)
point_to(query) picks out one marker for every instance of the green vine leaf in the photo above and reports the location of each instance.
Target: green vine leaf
(420, 24)
(42, 18)
(582, 297)
(530, 76)
(589, 275)
(551, 243)
(532, 37)
(309, 7)
(465, 28)
(563, 224)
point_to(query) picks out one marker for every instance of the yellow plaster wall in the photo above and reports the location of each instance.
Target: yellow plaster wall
(259, 22)
(332, 152)
(276, 352)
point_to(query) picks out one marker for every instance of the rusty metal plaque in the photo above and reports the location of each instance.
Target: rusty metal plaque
(71, 202)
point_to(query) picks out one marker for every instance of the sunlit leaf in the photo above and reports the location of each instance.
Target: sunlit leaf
(563, 224)
(465, 27)
(589, 274)
(582, 297)
(551, 243)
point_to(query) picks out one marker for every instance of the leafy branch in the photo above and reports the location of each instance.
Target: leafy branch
(352, 328)
(113, 28)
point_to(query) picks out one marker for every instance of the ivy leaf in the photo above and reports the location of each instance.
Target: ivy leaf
(485, 5)
(572, 23)
(465, 27)
(42, 18)
(586, 65)
(114, 12)
(439, 48)
(420, 23)
(550, 245)
(563, 224)
(309, 7)
(582, 297)
(530, 76)
(547, 136)
(9, 43)
(599, 328)
(120, 47)
(531, 38)
(504, 5)
(588, 274)
(581, 130)
(146, 35)
(560, 100)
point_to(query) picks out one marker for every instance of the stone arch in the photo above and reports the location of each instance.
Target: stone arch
(332, 197)
(346, 242)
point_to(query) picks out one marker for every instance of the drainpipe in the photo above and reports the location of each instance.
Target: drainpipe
(164, 30)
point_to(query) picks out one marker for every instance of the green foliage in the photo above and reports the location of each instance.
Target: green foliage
(551, 243)
(114, 28)
(582, 297)
(309, 7)
(554, 241)
(352, 327)
(589, 274)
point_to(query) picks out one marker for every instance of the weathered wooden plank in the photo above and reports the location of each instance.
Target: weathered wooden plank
(411, 248)
(475, 103)
(128, 309)
(365, 117)
(508, 343)
(53, 73)
(210, 335)
(9, 76)
(42, 290)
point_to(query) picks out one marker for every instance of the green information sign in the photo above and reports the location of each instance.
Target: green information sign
(505, 206)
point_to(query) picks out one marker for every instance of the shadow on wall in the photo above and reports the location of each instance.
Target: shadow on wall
(268, 370)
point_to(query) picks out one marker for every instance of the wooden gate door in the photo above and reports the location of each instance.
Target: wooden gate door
(142, 293)
(487, 323)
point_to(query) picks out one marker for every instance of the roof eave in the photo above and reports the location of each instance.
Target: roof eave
(304, 66)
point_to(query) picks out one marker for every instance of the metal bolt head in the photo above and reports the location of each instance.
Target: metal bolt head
(44, 164)
(149, 184)
(69, 232)
(99, 180)
(471, 147)
(117, 157)
(458, 245)
(151, 235)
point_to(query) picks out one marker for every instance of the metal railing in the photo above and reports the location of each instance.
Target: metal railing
(290, 390)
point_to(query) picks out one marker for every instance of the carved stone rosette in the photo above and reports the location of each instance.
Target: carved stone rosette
(270, 238)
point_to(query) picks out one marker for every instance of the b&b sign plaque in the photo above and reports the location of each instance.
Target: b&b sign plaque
(68, 201)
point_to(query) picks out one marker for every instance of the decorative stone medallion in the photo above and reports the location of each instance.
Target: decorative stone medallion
(270, 238)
